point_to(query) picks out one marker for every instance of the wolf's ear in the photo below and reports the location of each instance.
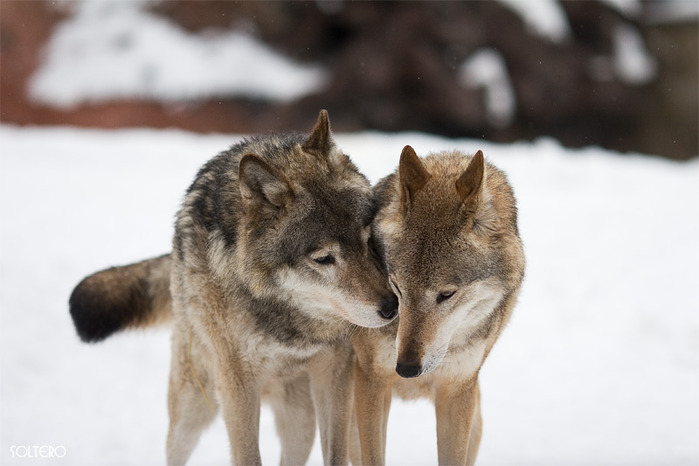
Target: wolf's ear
(320, 140)
(413, 174)
(260, 185)
(471, 182)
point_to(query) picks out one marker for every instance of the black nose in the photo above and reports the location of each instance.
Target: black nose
(408, 371)
(389, 307)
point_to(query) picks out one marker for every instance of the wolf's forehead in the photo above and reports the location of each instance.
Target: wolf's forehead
(344, 201)
(324, 214)
(440, 259)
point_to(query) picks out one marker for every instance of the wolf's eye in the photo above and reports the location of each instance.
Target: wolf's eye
(325, 260)
(444, 295)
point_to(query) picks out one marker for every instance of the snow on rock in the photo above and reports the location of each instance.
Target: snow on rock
(632, 62)
(630, 8)
(599, 364)
(544, 17)
(487, 69)
(117, 50)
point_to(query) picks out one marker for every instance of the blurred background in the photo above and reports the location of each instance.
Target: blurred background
(600, 363)
(618, 74)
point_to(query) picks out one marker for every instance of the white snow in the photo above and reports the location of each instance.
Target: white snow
(545, 18)
(487, 69)
(599, 365)
(630, 8)
(112, 49)
(632, 62)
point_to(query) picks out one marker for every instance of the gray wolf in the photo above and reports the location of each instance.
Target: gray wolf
(271, 270)
(447, 228)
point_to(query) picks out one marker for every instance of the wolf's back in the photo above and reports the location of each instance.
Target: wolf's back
(129, 296)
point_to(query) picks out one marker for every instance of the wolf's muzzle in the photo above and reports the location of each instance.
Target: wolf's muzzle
(389, 307)
(408, 371)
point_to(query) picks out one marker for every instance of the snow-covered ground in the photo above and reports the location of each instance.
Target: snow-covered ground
(599, 365)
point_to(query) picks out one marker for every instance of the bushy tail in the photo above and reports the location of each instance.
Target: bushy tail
(130, 296)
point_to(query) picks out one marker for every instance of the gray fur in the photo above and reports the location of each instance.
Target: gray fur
(271, 270)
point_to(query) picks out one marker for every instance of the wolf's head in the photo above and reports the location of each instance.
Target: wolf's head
(305, 227)
(449, 230)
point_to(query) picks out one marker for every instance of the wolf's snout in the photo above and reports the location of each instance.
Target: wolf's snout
(410, 358)
(408, 371)
(389, 307)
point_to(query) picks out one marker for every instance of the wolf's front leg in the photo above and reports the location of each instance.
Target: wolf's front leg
(239, 393)
(372, 402)
(457, 406)
(332, 389)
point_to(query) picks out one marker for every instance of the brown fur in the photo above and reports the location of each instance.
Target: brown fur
(448, 228)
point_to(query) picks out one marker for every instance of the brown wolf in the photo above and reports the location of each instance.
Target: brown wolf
(447, 227)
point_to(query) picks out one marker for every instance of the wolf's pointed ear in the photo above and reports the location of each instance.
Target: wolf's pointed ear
(413, 174)
(320, 140)
(260, 185)
(471, 182)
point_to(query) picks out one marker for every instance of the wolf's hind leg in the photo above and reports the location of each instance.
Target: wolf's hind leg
(295, 419)
(191, 402)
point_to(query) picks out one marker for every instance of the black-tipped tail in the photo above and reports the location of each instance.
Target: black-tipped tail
(117, 298)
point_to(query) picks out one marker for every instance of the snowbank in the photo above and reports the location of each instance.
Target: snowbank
(599, 365)
(112, 50)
